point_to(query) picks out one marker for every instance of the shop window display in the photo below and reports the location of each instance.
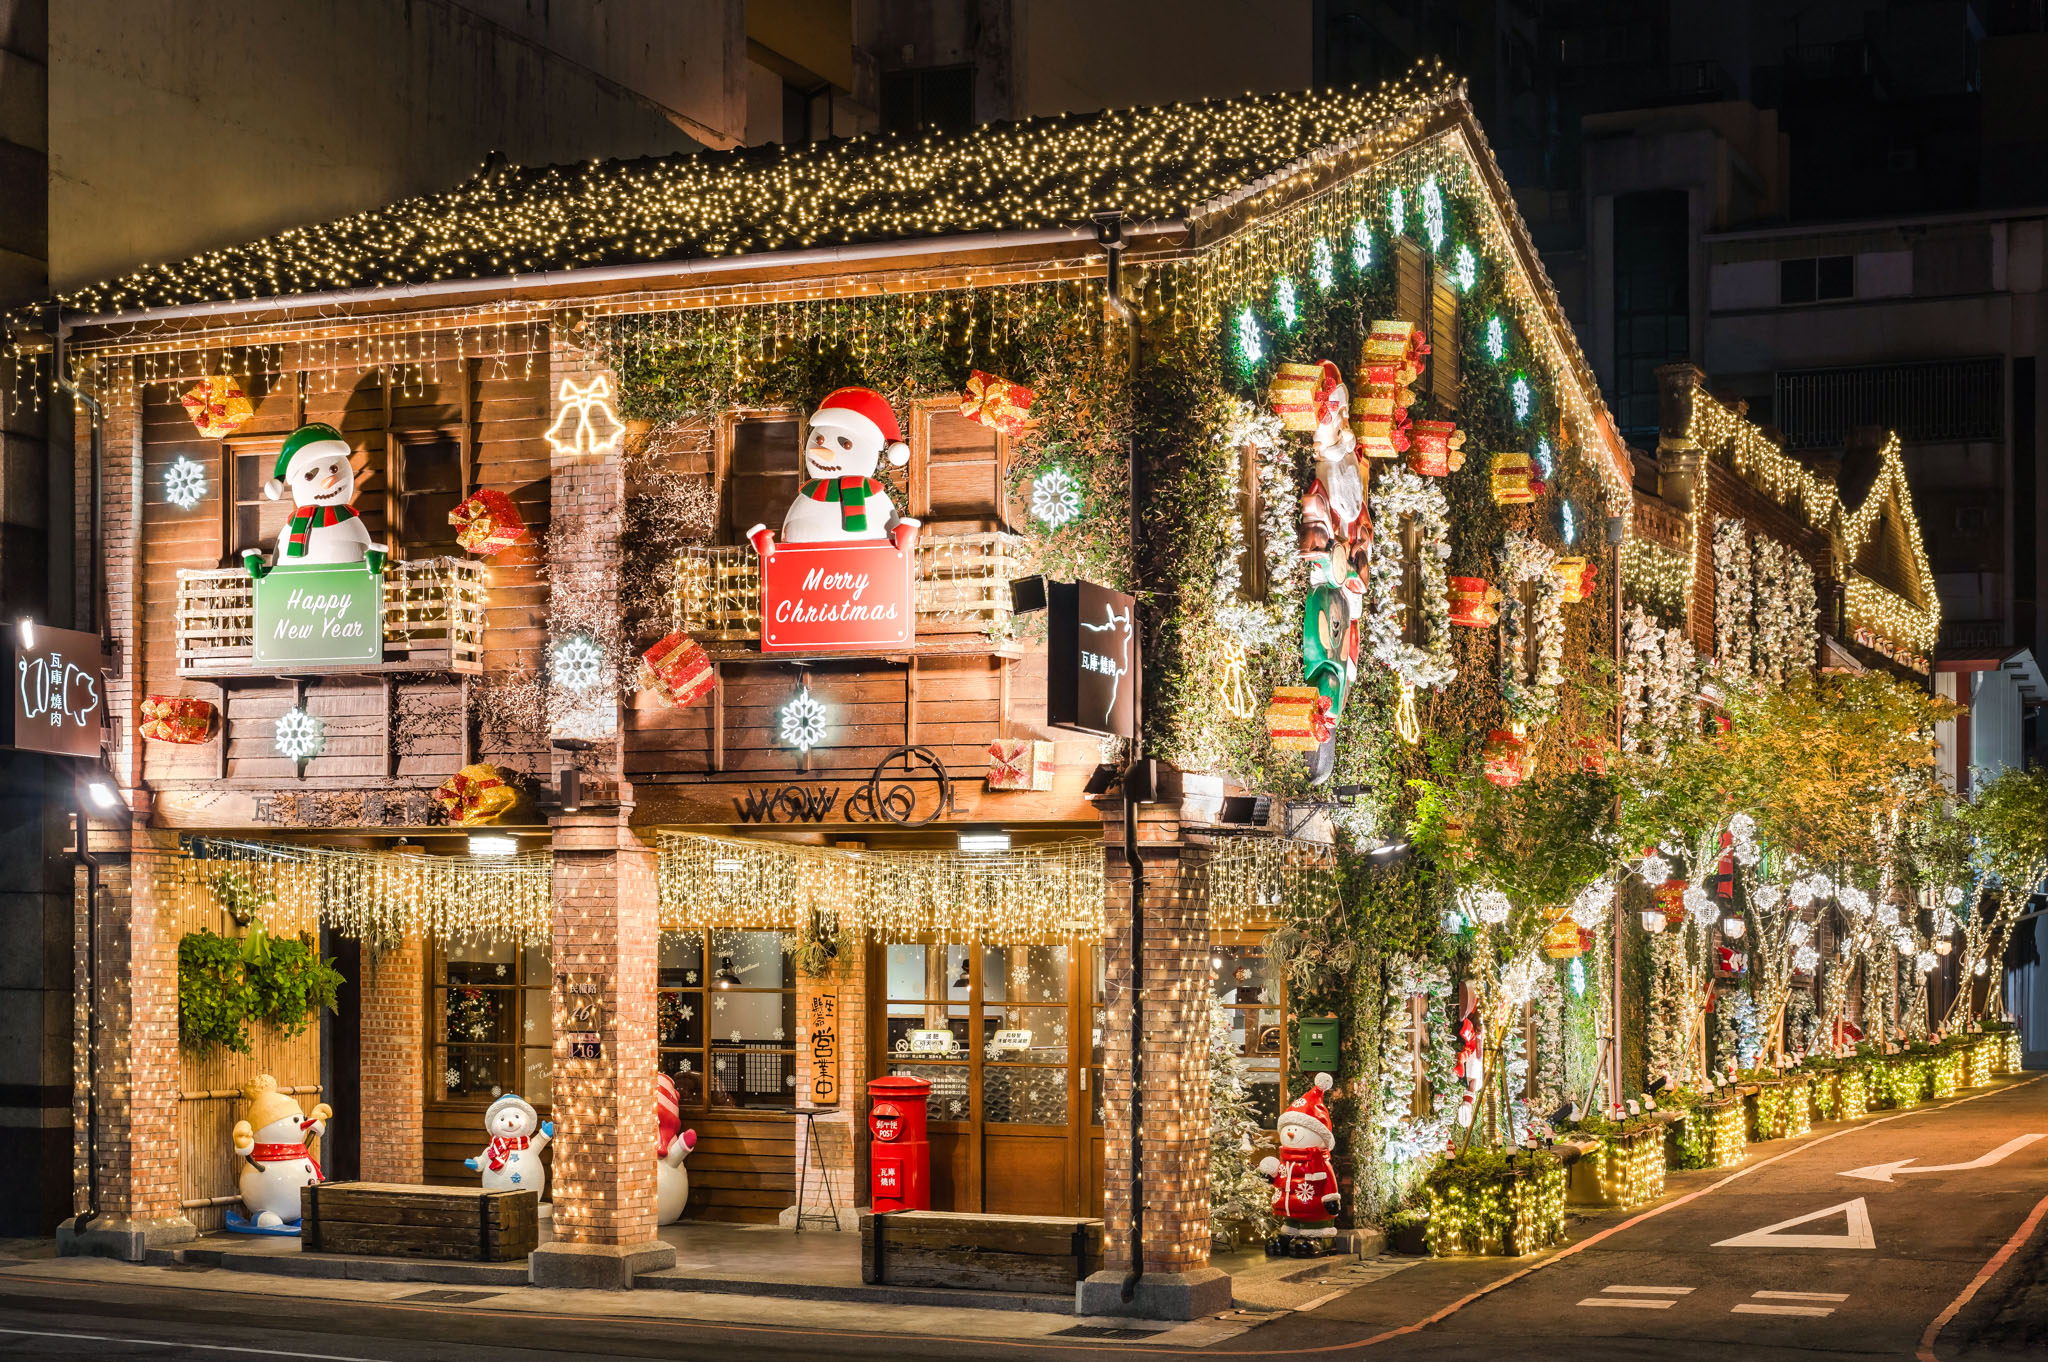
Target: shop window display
(725, 1019)
(493, 1022)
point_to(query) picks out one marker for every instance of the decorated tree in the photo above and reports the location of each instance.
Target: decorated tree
(2009, 817)
(1240, 1201)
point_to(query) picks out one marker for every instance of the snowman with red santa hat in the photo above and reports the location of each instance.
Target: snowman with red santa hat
(846, 440)
(1305, 1195)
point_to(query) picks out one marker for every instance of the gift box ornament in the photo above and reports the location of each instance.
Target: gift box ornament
(1509, 758)
(997, 403)
(1388, 369)
(1566, 939)
(182, 719)
(1515, 480)
(1436, 449)
(1298, 719)
(676, 672)
(487, 523)
(218, 406)
(1019, 764)
(1671, 900)
(1592, 753)
(1292, 396)
(1575, 578)
(1474, 603)
(476, 794)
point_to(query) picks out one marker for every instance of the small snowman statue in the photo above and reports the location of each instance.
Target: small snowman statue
(273, 1142)
(317, 469)
(511, 1162)
(1305, 1195)
(671, 1146)
(849, 435)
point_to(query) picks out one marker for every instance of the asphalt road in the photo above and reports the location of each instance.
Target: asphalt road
(1866, 1269)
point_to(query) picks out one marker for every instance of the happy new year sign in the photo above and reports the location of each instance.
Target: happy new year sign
(837, 596)
(323, 613)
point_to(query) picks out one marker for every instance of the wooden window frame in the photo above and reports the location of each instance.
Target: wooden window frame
(436, 1043)
(1279, 1004)
(704, 1051)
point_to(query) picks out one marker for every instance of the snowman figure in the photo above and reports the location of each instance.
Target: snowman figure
(672, 1145)
(511, 1162)
(317, 469)
(273, 1142)
(849, 435)
(1305, 1195)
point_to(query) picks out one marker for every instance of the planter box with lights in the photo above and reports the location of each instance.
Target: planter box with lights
(422, 615)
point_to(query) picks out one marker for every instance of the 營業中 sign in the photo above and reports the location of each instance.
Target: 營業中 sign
(824, 1028)
(854, 595)
(1092, 660)
(320, 613)
(59, 692)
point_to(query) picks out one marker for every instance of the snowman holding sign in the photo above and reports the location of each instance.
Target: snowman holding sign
(848, 436)
(318, 470)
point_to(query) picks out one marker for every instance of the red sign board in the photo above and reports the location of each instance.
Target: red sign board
(854, 595)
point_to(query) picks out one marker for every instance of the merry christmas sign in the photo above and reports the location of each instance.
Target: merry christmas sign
(855, 595)
(324, 613)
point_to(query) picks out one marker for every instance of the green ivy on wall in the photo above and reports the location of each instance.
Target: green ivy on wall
(224, 983)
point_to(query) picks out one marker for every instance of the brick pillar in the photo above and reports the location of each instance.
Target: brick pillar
(606, 926)
(1178, 1282)
(392, 1063)
(134, 1067)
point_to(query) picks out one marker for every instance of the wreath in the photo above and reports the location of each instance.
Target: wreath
(1531, 692)
(1398, 493)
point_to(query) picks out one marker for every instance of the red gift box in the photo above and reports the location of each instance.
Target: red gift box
(1019, 764)
(487, 523)
(677, 671)
(181, 719)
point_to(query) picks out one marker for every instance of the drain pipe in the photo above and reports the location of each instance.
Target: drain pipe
(83, 855)
(1109, 232)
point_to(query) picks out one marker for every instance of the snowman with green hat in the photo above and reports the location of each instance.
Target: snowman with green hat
(317, 470)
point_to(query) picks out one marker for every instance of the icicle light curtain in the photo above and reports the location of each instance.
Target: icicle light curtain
(1035, 893)
(1252, 878)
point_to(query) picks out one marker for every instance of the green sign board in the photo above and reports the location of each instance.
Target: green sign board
(319, 613)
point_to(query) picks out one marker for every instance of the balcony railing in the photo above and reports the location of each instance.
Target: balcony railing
(963, 589)
(433, 621)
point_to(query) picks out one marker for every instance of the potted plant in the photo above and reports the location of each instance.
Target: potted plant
(1408, 1230)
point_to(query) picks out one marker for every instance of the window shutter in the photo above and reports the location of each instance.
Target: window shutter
(1443, 344)
(761, 473)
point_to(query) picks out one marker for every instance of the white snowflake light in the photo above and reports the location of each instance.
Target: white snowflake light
(1953, 897)
(1799, 933)
(1927, 961)
(1496, 339)
(1433, 213)
(1524, 397)
(1519, 980)
(1568, 523)
(1055, 498)
(1482, 903)
(1546, 460)
(1696, 900)
(1589, 908)
(1654, 870)
(1397, 210)
(1578, 977)
(1284, 301)
(1980, 969)
(1904, 941)
(300, 736)
(1464, 269)
(577, 663)
(1249, 347)
(184, 483)
(1361, 245)
(802, 722)
(451, 1079)
(1805, 960)
(1323, 266)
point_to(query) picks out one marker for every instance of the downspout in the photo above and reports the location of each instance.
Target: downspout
(1109, 231)
(1617, 532)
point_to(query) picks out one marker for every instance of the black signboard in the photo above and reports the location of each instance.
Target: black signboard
(59, 686)
(1092, 650)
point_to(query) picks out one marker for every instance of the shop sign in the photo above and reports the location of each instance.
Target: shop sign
(1006, 1042)
(825, 1049)
(59, 692)
(321, 613)
(1092, 654)
(583, 1012)
(939, 1043)
(855, 595)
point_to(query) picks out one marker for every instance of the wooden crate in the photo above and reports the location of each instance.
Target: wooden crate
(1037, 1254)
(398, 1220)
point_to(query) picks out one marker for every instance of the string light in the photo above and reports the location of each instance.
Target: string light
(1511, 1215)
(1252, 879)
(1631, 1167)
(184, 483)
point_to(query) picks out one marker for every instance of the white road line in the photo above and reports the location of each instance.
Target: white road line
(1321, 1300)
(1799, 1295)
(1628, 1303)
(182, 1343)
(1748, 1309)
(1651, 1290)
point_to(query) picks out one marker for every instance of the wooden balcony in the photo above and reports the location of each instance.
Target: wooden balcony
(963, 595)
(433, 622)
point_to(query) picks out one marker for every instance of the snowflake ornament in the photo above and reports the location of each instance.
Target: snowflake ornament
(735, 1038)
(577, 663)
(451, 1079)
(1496, 339)
(184, 483)
(778, 1033)
(1249, 347)
(1433, 213)
(1322, 266)
(1055, 498)
(1284, 301)
(1524, 397)
(801, 722)
(300, 736)
(1465, 269)
(1361, 245)
(1397, 210)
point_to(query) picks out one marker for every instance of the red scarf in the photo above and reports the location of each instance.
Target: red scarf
(308, 518)
(286, 1153)
(852, 495)
(502, 1145)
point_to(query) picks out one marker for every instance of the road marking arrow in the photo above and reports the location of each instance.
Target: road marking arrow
(1885, 1172)
(1856, 1231)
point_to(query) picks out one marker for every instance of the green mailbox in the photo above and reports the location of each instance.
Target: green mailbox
(1318, 1049)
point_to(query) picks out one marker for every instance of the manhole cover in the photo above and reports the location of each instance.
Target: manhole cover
(1100, 1331)
(449, 1297)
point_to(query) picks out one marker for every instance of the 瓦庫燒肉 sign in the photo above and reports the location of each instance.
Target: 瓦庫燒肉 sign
(59, 692)
(321, 613)
(852, 595)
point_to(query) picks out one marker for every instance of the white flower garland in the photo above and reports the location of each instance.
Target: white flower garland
(1659, 676)
(1734, 597)
(1531, 692)
(1764, 602)
(1398, 493)
(1275, 621)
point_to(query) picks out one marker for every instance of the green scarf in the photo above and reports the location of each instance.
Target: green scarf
(852, 495)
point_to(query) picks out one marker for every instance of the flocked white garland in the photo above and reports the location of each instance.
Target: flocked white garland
(1275, 621)
(1734, 597)
(1764, 602)
(1531, 693)
(1659, 677)
(1398, 493)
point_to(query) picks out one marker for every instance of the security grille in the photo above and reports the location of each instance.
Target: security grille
(1957, 399)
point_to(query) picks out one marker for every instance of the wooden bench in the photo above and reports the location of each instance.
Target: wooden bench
(1036, 1254)
(396, 1220)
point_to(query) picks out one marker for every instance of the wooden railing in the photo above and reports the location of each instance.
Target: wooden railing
(433, 620)
(963, 587)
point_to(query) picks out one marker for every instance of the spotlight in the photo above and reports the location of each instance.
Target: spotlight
(1390, 849)
(27, 629)
(1249, 810)
(1102, 781)
(103, 794)
(1027, 595)
(1653, 921)
(489, 844)
(726, 977)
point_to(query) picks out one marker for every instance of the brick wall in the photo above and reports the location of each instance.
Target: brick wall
(392, 1063)
(1175, 1045)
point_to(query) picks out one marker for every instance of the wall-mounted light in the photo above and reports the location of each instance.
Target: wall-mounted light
(492, 844)
(27, 629)
(984, 843)
(102, 793)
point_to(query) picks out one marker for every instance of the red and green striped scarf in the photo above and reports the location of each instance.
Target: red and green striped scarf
(307, 518)
(852, 495)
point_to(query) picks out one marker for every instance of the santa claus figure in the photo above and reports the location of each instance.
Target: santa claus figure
(1305, 1195)
(849, 435)
(1336, 542)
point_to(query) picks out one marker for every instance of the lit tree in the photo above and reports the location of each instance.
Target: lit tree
(1240, 1201)
(2009, 816)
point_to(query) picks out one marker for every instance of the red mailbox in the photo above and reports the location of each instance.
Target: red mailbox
(901, 1158)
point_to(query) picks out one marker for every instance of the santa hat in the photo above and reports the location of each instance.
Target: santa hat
(667, 1112)
(513, 1100)
(1308, 1112)
(263, 1104)
(864, 408)
(316, 439)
